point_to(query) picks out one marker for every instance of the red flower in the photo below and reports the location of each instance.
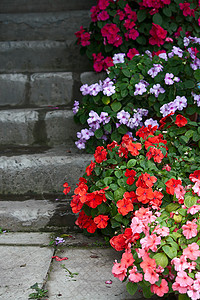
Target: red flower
(145, 180)
(144, 132)
(158, 35)
(87, 222)
(134, 148)
(124, 206)
(157, 199)
(112, 145)
(180, 121)
(171, 184)
(66, 188)
(130, 174)
(76, 204)
(132, 52)
(194, 176)
(130, 196)
(100, 154)
(81, 189)
(156, 154)
(90, 168)
(83, 37)
(118, 242)
(144, 195)
(101, 221)
(187, 11)
(96, 198)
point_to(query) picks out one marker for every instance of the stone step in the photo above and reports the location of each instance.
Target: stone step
(59, 26)
(41, 173)
(46, 127)
(42, 56)
(26, 6)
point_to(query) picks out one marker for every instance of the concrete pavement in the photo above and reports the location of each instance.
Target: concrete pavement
(26, 259)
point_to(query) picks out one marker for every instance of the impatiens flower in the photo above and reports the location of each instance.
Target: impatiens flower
(136, 225)
(189, 229)
(193, 209)
(100, 154)
(160, 290)
(151, 242)
(118, 242)
(124, 206)
(127, 259)
(134, 275)
(119, 271)
(171, 184)
(180, 121)
(130, 174)
(134, 148)
(101, 221)
(192, 251)
(148, 263)
(66, 188)
(76, 204)
(180, 264)
(144, 195)
(183, 279)
(158, 35)
(90, 168)
(118, 58)
(151, 276)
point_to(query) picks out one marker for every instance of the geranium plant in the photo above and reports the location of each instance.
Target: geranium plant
(128, 26)
(125, 177)
(140, 91)
(165, 257)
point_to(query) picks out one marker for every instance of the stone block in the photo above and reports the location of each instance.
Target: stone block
(13, 89)
(92, 77)
(17, 126)
(59, 26)
(60, 127)
(51, 89)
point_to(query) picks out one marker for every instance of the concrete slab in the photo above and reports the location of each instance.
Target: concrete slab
(94, 267)
(51, 89)
(21, 267)
(92, 77)
(25, 238)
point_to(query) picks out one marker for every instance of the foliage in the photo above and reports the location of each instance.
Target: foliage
(127, 176)
(166, 256)
(138, 90)
(127, 25)
(39, 292)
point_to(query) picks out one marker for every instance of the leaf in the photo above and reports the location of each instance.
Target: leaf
(197, 74)
(98, 133)
(126, 72)
(116, 106)
(131, 288)
(172, 207)
(190, 200)
(131, 163)
(170, 251)
(141, 15)
(108, 180)
(161, 259)
(119, 193)
(157, 19)
(189, 84)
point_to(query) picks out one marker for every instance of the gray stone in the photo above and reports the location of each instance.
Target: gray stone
(92, 77)
(29, 6)
(42, 173)
(39, 56)
(17, 126)
(59, 26)
(94, 268)
(25, 238)
(51, 88)
(13, 88)
(22, 267)
(60, 127)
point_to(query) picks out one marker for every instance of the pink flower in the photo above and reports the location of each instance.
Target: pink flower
(183, 279)
(163, 231)
(127, 259)
(196, 188)
(176, 287)
(180, 264)
(151, 276)
(119, 271)
(193, 293)
(192, 251)
(160, 290)
(193, 209)
(136, 225)
(189, 230)
(151, 242)
(134, 275)
(103, 15)
(179, 192)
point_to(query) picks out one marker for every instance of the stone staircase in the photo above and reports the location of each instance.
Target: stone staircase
(41, 71)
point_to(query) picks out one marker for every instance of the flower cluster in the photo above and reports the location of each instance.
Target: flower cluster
(124, 26)
(162, 252)
(152, 84)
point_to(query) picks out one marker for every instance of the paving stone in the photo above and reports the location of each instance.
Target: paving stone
(25, 238)
(51, 88)
(17, 126)
(59, 26)
(92, 77)
(22, 267)
(94, 268)
(41, 56)
(42, 173)
(13, 89)
(30, 6)
(60, 127)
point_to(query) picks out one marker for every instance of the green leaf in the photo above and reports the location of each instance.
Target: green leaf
(131, 163)
(118, 174)
(197, 74)
(98, 133)
(170, 251)
(157, 19)
(114, 187)
(108, 180)
(108, 127)
(119, 193)
(167, 11)
(131, 288)
(189, 84)
(141, 15)
(116, 106)
(161, 259)
(126, 72)
(172, 207)
(190, 200)
(189, 133)
(109, 195)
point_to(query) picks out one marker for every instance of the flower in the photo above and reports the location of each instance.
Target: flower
(180, 121)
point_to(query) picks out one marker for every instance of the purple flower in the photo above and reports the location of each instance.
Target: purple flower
(157, 89)
(118, 58)
(181, 102)
(140, 88)
(104, 118)
(80, 144)
(95, 89)
(123, 117)
(176, 51)
(59, 240)
(195, 64)
(85, 89)
(186, 41)
(85, 134)
(76, 107)
(196, 99)
(163, 56)
(132, 123)
(168, 78)
(94, 120)
(151, 122)
(109, 90)
(157, 68)
(165, 110)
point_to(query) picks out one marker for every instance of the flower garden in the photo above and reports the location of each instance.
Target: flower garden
(142, 189)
